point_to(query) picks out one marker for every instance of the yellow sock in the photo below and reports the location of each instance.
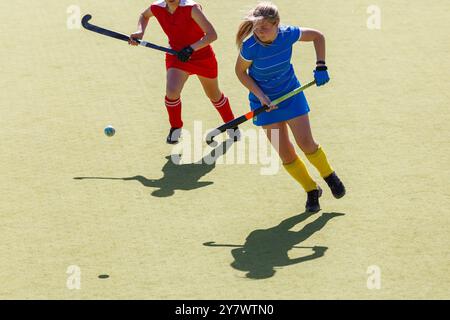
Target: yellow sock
(298, 171)
(320, 161)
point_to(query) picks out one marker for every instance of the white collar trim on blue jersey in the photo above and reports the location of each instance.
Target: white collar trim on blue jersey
(183, 3)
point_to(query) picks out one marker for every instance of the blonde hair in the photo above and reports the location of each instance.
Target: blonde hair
(263, 11)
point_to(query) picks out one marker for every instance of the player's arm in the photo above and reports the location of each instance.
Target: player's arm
(319, 42)
(142, 25)
(206, 26)
(241, 68)
(320, 74)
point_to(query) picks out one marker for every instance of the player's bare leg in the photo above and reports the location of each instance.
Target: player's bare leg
(293, 164)
(301, 129)
(220, 102)
(175, 82)
(283, 144)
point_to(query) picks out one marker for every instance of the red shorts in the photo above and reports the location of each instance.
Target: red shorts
(204, 66)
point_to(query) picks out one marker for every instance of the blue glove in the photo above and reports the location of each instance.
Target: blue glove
(321, 75)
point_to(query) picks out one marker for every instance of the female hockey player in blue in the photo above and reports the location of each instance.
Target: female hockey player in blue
(264, 68)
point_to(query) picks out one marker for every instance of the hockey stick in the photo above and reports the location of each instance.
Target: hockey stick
(249, 115)
(120, 36)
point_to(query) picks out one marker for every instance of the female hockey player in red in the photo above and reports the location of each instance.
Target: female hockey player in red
(190, 34)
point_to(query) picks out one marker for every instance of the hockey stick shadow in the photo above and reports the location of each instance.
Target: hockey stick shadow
(266, 249)
(178, 176)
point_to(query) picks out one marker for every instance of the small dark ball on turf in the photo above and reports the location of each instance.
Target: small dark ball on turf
(110, 131)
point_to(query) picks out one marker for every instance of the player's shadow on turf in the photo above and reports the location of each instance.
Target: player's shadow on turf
(266, 249)
(178, 176)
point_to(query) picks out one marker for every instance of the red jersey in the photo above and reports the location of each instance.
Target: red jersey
(180, 27)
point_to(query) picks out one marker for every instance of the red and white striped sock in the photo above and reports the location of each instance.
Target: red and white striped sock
(224, 108)
(174, 110)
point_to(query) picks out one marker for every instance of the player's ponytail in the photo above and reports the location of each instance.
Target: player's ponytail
(244, 31)
(263, 11)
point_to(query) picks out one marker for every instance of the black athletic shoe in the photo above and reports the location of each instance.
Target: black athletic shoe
(174, 136)
(336, 185)
(234, 134)
(312, 204)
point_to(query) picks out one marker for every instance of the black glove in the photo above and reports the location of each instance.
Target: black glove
(185, 54)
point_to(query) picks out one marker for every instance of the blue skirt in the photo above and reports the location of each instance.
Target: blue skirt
(291, 108)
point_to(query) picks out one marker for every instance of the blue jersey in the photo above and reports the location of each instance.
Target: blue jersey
(271, 63)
